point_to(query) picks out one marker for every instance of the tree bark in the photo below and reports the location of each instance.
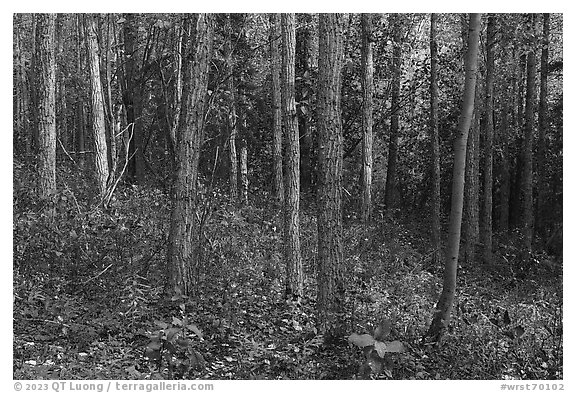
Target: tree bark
(331, 290)
(132, 97)
(434, 142)
(527, 175)
(33, 77)
(391, 187)
(46, 88)
(184, 228)
(19, 86)
(472, 188)
(489, 136)
(367, 115)
(244, 170)
(542, 123)
(304, 39)
(275, 65)
(505, 170)
(292, 257)
(232, 116)
(96, 99)
(442, 314)
(80, 124)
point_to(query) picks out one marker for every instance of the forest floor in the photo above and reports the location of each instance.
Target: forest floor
(89, 298)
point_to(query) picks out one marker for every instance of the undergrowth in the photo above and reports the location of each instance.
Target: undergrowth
(89, 299)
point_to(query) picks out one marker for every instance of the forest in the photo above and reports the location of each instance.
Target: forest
(287, 196)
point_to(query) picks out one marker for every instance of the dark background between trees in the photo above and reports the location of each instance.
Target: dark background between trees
(288, 196)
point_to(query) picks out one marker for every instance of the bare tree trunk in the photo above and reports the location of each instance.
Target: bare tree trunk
(132, 97)
(97, 104)
(391, 187)
(304, 39)
(442, 314)
(527, 175)
(46, 87)
(367, 115)
(184, 227)
(472, 187)
(19, 86)
(232, 116)
(434, 142)
(33, 77)
(275, 63)
(292, 257)
(489, 136)
(542, 124)
(178, 87)
(505, 170)
(80, 124)
(244, 170)
(110, 110)
(331, 289)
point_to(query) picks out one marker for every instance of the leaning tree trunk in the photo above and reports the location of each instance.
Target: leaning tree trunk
(434, 141)
(331, 290)
(45, 65)
(443, 311)
(391, 188)
(527, 175)
(184, 228)
(367, 115)
(486, 235)
(292, 257)
(275, 64)
(97, 104)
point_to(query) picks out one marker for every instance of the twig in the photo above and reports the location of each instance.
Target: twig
(64, 149)
(46, 321)
(112, 188)
(98, 275)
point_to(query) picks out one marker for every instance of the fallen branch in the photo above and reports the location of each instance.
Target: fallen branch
(98, 275)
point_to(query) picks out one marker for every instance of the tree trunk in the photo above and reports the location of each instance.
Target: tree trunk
(331, 290)
(184, 234)
(292, 257)
(34, 99)
(527, 175)
(518, 113)
(112, 115)
(434, 141)
(489, 136)
(19, 86)
(304, 39)
(46, 87)
(542, 124)
(244, 170)
(232, 117)
(80, 125)
(391, 188)
(275, 64)
(132, 97)
(97, 104)
(178, 86)
(367, 116)
(472, 187)
(505, 170)
(442, 314)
